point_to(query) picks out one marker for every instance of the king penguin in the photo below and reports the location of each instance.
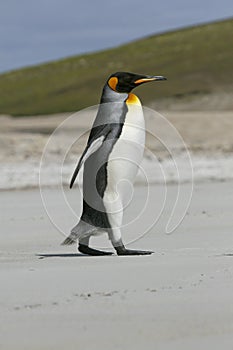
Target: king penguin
(113, 153)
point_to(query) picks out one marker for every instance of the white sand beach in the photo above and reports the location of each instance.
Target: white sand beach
(178, 298)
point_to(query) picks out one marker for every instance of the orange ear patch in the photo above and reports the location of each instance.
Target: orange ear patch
(133, 99)
(113, 83)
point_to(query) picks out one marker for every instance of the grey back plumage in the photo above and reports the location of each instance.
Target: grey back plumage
(107, 127)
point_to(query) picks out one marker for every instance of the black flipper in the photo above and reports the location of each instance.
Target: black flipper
(95, 141)
(93, 147)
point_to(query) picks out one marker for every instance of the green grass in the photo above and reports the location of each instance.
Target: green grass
(196, 60)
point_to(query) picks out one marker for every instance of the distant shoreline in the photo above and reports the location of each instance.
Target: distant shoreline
(207, 135)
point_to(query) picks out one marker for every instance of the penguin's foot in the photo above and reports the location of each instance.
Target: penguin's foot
(90, 251)
(124, 251)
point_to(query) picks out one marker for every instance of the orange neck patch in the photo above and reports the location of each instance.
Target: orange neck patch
(113, 83)
(133, 99)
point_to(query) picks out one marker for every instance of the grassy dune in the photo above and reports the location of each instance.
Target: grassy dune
(196, 60)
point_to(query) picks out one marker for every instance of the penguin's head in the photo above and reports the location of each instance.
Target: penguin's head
(124, 82)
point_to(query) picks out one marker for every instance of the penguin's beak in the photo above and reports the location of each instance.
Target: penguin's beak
(150, 78)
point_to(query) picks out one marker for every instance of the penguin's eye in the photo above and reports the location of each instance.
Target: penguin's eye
(113, 83)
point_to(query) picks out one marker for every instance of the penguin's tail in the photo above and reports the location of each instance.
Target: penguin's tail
(69, 240)
(82, 229)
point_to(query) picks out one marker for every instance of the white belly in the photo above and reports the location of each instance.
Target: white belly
(127, 153)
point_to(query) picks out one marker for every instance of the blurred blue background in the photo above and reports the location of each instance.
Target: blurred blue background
(32, 32)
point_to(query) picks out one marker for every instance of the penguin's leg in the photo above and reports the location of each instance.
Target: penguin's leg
(115, 237)
(114, 209)
(121, 250)
(84, 248)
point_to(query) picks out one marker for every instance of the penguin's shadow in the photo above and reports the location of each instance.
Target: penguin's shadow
(62, 255)
(67, 255)
(228, 254)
